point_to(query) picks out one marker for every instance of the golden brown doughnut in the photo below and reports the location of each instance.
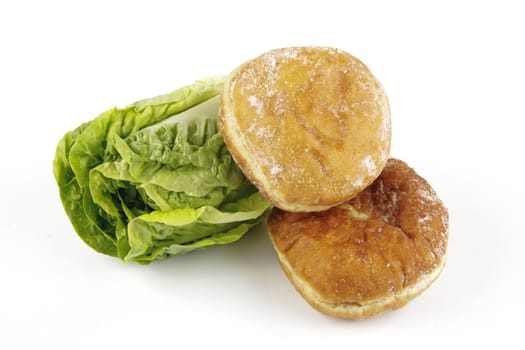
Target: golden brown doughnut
(309, 126)
(369, 255)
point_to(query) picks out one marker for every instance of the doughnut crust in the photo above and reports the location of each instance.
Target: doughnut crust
(369, 255)
(309, 126)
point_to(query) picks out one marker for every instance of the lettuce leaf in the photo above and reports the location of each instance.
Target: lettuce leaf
(155, 179)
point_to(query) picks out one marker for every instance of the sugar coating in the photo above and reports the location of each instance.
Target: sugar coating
(257, 103)
(276, 169)
(369, 164)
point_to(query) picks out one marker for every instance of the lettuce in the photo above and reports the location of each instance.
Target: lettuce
(155, 179)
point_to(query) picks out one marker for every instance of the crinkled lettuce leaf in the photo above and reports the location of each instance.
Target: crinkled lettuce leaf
(155, 179)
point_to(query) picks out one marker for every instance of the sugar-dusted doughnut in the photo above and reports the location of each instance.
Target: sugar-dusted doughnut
(371, 254)
(309, 126)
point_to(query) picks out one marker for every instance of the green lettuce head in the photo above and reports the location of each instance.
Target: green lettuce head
(155, 179)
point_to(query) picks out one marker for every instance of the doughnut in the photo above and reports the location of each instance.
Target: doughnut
(368, 255)
(309, 126)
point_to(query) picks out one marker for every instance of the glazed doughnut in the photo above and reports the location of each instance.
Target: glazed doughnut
(369, 255)
(309, 126)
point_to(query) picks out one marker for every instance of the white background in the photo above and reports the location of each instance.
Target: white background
(454, 73)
